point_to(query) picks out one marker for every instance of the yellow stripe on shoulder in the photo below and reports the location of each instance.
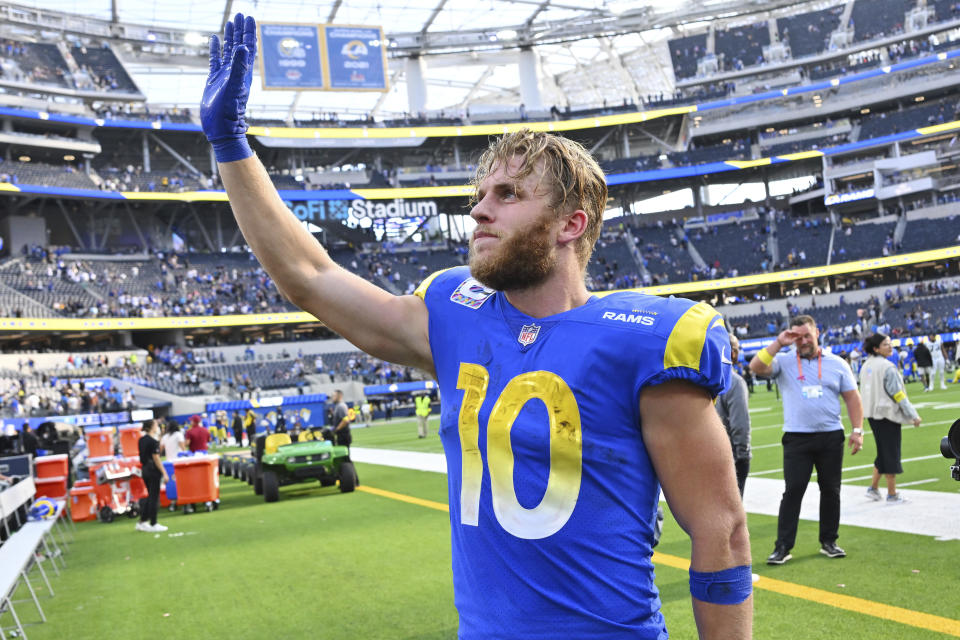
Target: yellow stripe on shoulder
(421, 291)
(685, 344)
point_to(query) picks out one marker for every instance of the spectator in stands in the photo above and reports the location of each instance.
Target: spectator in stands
(198, 437)
(735, 415)
(153, 472)
(172, 441)
(886, 407)
(812, 382)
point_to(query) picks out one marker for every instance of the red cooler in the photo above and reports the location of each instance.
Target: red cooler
(197, 479)
(129, 440)
(52, 487)
(99, 442)
(138, 488)
(83, 504)
(51, 466)
(103, 492)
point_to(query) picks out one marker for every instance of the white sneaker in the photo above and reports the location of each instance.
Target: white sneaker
(158, 528)
(144, 526)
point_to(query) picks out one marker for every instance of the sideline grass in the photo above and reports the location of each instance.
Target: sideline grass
(366, 566)
(360, 565)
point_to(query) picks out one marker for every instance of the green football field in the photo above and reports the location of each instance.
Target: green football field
(376, 563)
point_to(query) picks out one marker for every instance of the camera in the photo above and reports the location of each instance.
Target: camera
(950, 448)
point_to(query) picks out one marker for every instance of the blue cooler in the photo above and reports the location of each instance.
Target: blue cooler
(172, 483)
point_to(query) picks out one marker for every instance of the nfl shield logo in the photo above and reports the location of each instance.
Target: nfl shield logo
(528, 334)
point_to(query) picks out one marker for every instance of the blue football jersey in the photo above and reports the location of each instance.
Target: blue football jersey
(553, 497)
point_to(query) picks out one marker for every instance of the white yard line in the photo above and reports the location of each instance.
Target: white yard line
(926, 513)
(910, 484)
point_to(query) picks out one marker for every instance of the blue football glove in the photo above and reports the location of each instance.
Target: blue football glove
(225, 95)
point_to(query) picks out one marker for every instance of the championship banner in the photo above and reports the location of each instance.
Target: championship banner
(356, 59)
(290, 57)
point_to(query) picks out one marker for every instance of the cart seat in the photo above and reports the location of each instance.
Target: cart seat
(274, 441)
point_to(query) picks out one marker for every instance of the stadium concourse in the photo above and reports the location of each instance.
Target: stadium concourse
(771, 159)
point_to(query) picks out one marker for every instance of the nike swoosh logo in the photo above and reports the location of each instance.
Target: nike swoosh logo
(724, 360)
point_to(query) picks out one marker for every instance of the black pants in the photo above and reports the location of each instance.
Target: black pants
(148, 505)
(743, 468)
(801, 453)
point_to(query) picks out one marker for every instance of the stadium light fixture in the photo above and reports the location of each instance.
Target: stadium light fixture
(69, 158)
(193, 38)
(507, 34)
(24, 158)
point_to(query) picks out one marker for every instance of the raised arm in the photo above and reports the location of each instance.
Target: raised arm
(691, 454)
(393, 328)
(760, 363)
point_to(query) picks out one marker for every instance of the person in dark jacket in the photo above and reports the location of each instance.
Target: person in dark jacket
(924, 365)
(153, 472)
(237, 427)
(28, 440)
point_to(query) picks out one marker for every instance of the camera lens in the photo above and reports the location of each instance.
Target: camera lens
(950, 445)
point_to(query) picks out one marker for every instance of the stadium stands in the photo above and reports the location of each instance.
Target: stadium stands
(685, 52)
(864, 240)
(928, 233)
(805, 145)
(33, 62)
(612, 265)
(809, 33)
(664, 255)
(103, 68)
(732, 150)
(66, 176)
(626, 165)
(924, 114)
(803, 242)
(945, 9)
(742, 46)
(733, 249)
(877, 18)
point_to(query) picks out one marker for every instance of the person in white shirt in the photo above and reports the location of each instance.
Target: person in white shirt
(172, 441)
(939, 354)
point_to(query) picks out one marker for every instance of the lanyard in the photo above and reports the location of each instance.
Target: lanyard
(819, 365)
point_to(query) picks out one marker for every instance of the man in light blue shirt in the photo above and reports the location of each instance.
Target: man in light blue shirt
(812, 383)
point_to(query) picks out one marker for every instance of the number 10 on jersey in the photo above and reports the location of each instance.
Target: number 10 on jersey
(566, 451)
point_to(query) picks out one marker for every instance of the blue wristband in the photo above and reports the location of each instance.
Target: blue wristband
(730, 586)
(231, 149)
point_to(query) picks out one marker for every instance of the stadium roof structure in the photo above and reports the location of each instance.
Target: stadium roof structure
(590, 52)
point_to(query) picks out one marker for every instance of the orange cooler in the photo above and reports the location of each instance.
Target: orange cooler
(99, 442)
(129, 440)
(197, 479)
(51, 487)
(83, 504)
(51, 466)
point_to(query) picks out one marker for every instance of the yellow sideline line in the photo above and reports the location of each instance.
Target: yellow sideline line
(907, 617)
(430, 504)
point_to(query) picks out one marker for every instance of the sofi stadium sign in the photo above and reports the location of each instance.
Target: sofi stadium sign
(314, 210)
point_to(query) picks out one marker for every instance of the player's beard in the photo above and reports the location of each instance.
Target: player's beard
(522, 260)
